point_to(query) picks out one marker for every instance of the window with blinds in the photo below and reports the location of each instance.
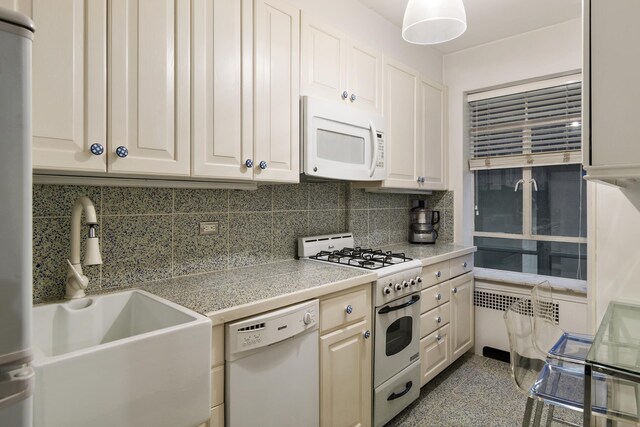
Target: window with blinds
(529, 128)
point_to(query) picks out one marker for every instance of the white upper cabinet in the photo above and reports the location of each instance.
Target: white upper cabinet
(364, 77)
(335, 67)
(69, 84)
(432, 165)
(610, 90)
(415, 115)
(149, 80)
(276, 91)
(323, 61)
(222, 139)
(401, 111)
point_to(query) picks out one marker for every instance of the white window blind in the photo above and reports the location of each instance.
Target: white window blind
(530, 128)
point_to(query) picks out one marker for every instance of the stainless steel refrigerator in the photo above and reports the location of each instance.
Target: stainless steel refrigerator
(16, 375)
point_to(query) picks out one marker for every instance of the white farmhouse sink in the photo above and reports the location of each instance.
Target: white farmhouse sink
(123, 359)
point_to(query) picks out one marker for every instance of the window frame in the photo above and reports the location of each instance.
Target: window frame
(526, 162)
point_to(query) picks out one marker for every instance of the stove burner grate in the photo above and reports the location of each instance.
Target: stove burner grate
(366, 258)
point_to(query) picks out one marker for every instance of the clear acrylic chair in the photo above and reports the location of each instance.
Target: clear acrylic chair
(549, 336)
(544, 380)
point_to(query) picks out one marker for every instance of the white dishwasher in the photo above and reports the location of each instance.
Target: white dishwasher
(271, 370)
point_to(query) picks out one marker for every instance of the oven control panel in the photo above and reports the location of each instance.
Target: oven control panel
(397, 285)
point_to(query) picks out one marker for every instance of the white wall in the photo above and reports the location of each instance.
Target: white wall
(363, 24)
(545, 52)
(613, 215)
(614, 258)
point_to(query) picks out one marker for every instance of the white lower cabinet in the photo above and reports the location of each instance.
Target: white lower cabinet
(435, 354)
(346, 360)
(447, 319)
(217, 417)
(346, 377)
(217, 378)
(462, 318)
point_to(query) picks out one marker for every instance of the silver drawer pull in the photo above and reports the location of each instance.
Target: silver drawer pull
(366, 335)
(438, 337)
(438, 274)
(454, 290)
(464, 264)
(438, 296)
(349, 309)
(438, 319)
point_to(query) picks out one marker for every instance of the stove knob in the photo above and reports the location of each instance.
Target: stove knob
(405, 284)
(413, 282)
(398, 287)
(386, 290)
(306, 319)
(419, 279)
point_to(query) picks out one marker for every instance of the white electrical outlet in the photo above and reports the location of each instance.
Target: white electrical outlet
(209, 228)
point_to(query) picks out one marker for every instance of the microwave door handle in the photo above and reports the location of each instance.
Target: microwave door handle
(374, 141)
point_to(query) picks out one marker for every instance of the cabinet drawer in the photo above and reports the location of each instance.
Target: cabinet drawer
(435, 273)
(461, 265)
(434, 296)
(434, 319)
(435, 354)
(217, 386)
(334, 311)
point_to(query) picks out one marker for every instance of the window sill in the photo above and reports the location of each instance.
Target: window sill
(527, 279)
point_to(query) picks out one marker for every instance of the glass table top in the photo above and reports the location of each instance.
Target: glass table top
(617, 342)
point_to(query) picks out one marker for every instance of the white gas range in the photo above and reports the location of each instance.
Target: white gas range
(396, 297)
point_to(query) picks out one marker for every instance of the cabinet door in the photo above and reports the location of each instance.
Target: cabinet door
(345, 375)
(435, 354)
(69, 84)
(149, 79)
(614, 62)
(323, 61)
(462, 317)
(432, 146)
(222, 141)
(401, 113)
(277, 91)
(364, 78)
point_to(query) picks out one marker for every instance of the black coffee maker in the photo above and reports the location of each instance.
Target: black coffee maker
(424, 223)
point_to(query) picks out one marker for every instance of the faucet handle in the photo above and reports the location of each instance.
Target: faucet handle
(80, 279)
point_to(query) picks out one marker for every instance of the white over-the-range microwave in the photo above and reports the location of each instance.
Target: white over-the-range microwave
(341, 142)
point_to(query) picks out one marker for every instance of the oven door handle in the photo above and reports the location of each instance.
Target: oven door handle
(389, 309)
(394, 396)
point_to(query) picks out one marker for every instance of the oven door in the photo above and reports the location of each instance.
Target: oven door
(397, 342)
(341, 142)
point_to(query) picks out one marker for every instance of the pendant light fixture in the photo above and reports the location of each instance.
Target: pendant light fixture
(433, 21)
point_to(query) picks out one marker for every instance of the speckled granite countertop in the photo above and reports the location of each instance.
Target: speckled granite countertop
(229, 295)
(430, 254)
(233, 294)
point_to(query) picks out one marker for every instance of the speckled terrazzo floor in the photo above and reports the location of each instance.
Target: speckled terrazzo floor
(474, 391)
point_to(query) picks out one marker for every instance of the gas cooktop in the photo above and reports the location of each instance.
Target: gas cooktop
(371, 259)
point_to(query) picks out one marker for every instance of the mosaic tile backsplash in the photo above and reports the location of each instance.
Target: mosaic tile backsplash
(152, 233)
